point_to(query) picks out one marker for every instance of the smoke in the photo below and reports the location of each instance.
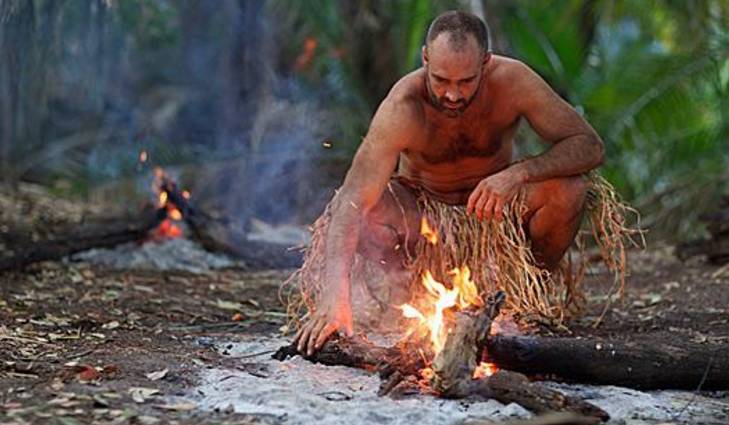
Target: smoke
(199, 85)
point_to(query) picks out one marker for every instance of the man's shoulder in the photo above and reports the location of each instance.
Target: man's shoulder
(406, 95)
(508, 71)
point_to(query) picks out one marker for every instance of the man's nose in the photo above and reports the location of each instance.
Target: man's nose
(452, 96)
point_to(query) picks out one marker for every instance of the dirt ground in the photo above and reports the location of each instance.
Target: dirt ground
(85, 344)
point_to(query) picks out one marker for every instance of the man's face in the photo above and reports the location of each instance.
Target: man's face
(453, 75)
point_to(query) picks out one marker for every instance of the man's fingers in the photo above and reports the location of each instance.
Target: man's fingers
(324, 334)
(472, 200)
(314, 336)
(305, 331)
(499, 210)
(488, 209)
(482, 201)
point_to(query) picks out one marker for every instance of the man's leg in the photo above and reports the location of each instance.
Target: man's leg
(553, 218)
(391, 225)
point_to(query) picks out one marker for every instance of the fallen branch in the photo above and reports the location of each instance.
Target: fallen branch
(628, 364)
(104, 233)
(218, 235)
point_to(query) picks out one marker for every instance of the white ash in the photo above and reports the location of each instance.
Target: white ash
(172, 254)
(297, 392)
(283, 234)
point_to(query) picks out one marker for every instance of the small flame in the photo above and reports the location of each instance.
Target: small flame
(463, 295)
(167, 229)
(174, 214)
(143, 156)
(484, 370)
(162, 199)
(426, 373)
(427, 231)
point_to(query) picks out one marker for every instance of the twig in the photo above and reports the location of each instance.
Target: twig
(698, 388)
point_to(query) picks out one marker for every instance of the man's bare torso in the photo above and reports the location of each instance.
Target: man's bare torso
(451, 155)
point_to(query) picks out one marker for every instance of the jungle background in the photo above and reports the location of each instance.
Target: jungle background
(280, 93)
(257, 107)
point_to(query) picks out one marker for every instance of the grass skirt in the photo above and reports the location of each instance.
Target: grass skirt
(497, 253)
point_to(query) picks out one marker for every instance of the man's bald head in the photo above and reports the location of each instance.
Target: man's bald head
(458, 26)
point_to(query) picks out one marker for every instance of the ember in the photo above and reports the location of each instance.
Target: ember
(169, 228)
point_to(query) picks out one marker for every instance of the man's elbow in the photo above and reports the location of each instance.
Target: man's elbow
(597, 150)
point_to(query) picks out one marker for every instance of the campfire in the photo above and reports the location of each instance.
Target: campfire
(170, 227)
(433, 319)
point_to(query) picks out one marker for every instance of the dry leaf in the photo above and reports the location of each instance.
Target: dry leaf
(88, 374)
(181, 406)
(155, 376)
(111, 325)
(228, 305)
(140, 394)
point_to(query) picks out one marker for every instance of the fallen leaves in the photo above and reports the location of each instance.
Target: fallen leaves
(156, 376)
(142, 394)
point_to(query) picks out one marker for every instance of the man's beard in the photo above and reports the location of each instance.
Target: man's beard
(440, 102)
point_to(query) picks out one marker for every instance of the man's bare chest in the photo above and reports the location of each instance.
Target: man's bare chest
(451, 144)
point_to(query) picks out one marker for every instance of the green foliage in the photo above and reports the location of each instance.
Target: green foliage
(80, 80)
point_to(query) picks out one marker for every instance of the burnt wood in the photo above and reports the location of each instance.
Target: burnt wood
(453, 367)
(219, 235)
(101, 233)
(629, 364)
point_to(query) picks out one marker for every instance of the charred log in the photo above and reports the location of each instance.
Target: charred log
(102, 233)
(218, 235)
(454, 366)
(361, 353)
(628, 364)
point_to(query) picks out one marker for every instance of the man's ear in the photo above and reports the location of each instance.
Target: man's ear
(424, 55)
(486, 58)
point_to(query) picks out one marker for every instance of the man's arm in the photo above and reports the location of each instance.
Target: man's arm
(576, 147)
(390, 132)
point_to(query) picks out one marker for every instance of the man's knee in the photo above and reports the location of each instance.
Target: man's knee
(567, 193)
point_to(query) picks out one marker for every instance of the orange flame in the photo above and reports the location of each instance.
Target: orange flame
(143, 156)
(175, 214)
(484, 370)
(439, 299)
(428, 231)
(162, 199)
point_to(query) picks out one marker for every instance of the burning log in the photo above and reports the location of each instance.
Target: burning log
(392, 363)
(217, 235)
(629, 364)
(453, 368)
(104, 233)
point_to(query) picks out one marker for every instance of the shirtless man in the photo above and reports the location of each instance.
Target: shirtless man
(448, 129)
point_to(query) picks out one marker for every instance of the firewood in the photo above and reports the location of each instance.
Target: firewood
(101, 233)
(679, 365)
(219, 235)
(454, 366)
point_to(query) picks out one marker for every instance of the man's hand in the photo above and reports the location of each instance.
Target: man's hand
(492, 193)
(331, 316)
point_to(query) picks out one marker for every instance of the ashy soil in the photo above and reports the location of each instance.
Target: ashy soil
(82, 343)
